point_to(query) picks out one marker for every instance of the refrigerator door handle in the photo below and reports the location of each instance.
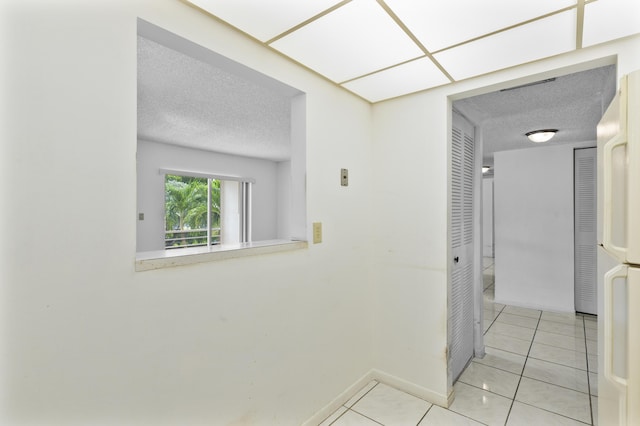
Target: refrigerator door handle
(619, 271)
(607, 225)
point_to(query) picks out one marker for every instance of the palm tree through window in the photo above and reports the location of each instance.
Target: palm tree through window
(192, 211)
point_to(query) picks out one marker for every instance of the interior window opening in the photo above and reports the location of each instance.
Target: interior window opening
(205, 211)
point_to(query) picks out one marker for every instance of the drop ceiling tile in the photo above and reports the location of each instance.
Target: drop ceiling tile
(411, 77)
(356, 39)
(264, 19)
(453, 21)
(536, 40)
(606, 20)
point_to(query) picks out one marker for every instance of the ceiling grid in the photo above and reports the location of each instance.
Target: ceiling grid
(362, 44)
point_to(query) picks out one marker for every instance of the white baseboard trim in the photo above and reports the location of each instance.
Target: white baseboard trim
(340, 400)
(413, 389)
(382, 377)
(536, 306)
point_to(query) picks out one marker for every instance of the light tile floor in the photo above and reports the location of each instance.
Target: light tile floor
(540, 368)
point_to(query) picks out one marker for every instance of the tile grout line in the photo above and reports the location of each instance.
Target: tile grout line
(501, 309)
(366, 417)
(588, 393)
(539, 318)
(522, 372)
(530, 378)
(493, 322)
(514, 337)
(528, 356)
(538, 380)
(564, 365)
(467, 417)
(586, 350)
(553, 412)
(425, 415)
(493, 366)
(358, 400)
(553, 362)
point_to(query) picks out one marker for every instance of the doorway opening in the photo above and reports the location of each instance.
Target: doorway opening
(523, 205)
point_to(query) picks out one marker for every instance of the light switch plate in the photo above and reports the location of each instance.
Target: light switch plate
(317, 232)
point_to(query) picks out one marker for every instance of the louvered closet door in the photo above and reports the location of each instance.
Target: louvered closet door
(585, 230)
(461, 299)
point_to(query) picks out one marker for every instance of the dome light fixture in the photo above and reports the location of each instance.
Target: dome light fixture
(541, 135)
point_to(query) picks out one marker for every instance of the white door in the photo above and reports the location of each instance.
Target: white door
(633, 346)
(585, 230)
(619, 232)
(612, 299)
(461, 262)
(619, 168)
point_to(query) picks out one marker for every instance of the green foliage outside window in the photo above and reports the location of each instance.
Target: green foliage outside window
(186, 211)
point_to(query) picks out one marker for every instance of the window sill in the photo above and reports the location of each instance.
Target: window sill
(146, 261)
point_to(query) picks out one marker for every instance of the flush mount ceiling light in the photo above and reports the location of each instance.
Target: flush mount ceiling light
(541, 135)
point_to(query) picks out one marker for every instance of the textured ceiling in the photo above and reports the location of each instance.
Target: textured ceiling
(572, 103)
(189, 102)
(380, 49)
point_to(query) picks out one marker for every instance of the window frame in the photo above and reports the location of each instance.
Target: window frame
(199, 254)
(244, 197)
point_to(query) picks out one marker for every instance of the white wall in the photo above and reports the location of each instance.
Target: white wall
(85, 339)
(534, 255)
(411, 256)
(152, 156)
(284, 199)
(487, 217)
(262, 340)
(410, 246)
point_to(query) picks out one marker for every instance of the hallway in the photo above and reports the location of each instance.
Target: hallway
(540, 368)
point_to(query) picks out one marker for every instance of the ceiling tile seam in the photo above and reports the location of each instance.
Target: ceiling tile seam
(496, 71)
(311, 70)
(356, 94)
(579, 24)
(408, 32)
(206, 12)
(272, 49)
(511, 27)
(383, 69)
(307, 22)
(403, 95)
(220, 20)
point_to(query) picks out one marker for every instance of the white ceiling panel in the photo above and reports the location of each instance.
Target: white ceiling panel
(440, 24)
(606, 20)
(356, 39)
(540, 39)
(264, 19)
(373, 47)
(411, 77)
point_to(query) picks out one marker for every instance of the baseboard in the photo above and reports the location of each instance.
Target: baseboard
(413, 389)
(382, 377)
(537, 307)
(340, 400)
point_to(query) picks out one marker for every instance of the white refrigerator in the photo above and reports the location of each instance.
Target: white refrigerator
(619, 257)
